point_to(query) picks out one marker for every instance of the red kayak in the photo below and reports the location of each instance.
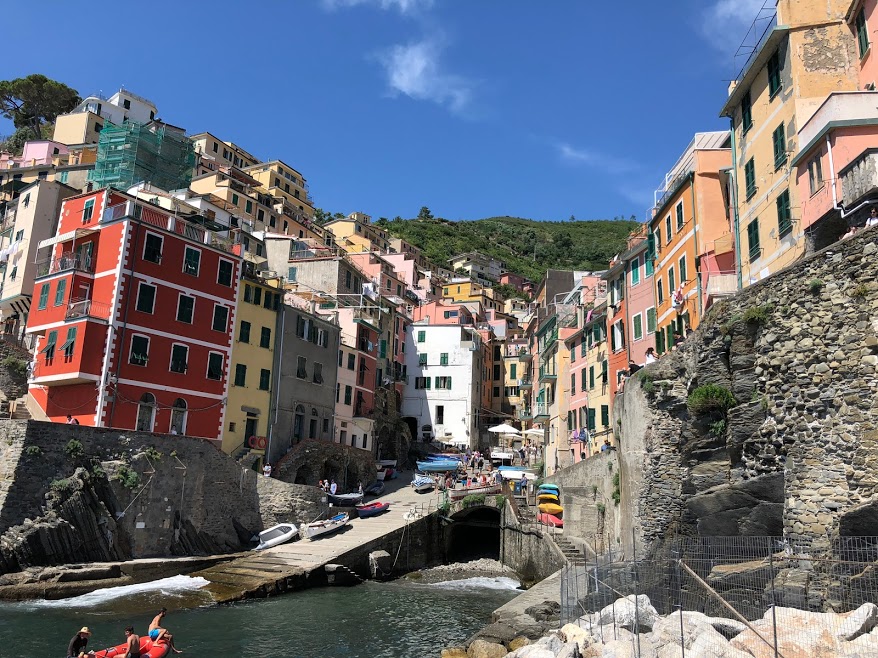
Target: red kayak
(148, 649)
(550, 519)
(372, 509)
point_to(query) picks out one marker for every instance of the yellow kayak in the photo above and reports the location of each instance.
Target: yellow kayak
(548, 498)
(551, 508)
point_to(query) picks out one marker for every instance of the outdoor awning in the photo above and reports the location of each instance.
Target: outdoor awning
(64, 237)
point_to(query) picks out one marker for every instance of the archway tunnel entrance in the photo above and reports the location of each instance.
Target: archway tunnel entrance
(474, 534)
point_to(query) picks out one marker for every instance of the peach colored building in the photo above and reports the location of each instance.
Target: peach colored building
(863, 21)
(690, 220)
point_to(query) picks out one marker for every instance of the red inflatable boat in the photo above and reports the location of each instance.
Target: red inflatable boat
(148, 649)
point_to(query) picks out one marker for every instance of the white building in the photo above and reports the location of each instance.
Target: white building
(24, 222)
(481, 268)
(444, 365)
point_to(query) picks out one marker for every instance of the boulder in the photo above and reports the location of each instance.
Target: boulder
(574, 633)
(800, 634)
(518, 642)
(629, 612)
(498, 633)
(545, 611)
(858, 622)
(696, 633)
(482, 649)
(531, 651)
(454, 652)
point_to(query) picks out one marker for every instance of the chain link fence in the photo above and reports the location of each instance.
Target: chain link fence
(762, 596)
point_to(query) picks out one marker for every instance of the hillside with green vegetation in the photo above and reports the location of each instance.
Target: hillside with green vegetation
(527, 247)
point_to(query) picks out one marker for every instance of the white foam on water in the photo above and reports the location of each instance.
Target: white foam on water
(167, 586)
(480, 582)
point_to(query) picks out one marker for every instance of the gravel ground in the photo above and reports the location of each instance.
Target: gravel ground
(462, 570)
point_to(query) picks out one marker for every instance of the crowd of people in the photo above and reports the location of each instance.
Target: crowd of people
(78, 645)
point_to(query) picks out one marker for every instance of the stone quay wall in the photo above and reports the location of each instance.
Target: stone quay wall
(796, 455)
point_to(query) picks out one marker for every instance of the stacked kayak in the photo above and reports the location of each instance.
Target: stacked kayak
(549, 503)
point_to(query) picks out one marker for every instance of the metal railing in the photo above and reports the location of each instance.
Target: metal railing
(540, 409)
(64, 263)
(87, 308)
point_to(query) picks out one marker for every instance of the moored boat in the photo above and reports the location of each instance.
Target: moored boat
(484, 489)
(276, 535)
(375, 489)
(438, 466)
(423, 483)
(500, 454)
(345, 500)
(550, 520)
(551, 508)
(326, 526)
(372, 509)
(148, 649)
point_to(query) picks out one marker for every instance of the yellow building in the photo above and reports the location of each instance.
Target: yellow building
(251, 376)
(214, 153)
(460, 290)
(785, 80)
(288, 188)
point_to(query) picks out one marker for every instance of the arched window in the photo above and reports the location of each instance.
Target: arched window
(179, 415)
(146, 413)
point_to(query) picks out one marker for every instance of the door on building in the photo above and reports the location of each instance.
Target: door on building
(178, 416)
(312, 429)
(83, 255)
(146, 413)
(299, 423)
(251, 426)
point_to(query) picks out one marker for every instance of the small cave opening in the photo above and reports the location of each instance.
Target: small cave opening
(474, 534)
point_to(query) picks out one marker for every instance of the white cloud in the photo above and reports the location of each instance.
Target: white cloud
(403, 6)
(589, 158)
(414, 70)
(724, 23)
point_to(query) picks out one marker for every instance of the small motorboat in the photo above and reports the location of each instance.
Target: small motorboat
(551, 508)
(387, 462)
(345, 500)
(148, 649)
(317, 528)
(372, 509)
(375, 489)
(550, 520)
(484, 489)
(500, 454)
(438, 466)
(423, 483)
(279, 534)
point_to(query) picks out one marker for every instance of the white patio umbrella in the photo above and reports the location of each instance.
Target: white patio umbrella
(458, 442)
(504, 429)
(533, 432)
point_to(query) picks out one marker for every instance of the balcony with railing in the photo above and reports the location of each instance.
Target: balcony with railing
(548, 339)
(548, 373)
(525, 414)
(541, 411)
(524, 354)
(87, 308)
(66, 262)
(525, 382)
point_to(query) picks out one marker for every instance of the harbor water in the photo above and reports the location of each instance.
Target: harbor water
(400, 619)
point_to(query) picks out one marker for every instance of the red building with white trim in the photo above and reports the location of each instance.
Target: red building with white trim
(133, 311)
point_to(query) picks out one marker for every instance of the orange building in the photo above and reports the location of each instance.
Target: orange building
(691, 235)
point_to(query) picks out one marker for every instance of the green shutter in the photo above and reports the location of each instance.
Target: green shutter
(746, 113)
(750, 177)
(650, 320)
(422, 336)
(422, 359)
(592, 425)
(638, 327)
(784, 216)
(44, 296)
(70, 343)
(60, 292)
(605, 415)
(591, 376)
(753, 239)
(680, 219)
(779, 140)
(862, 33)
(774, 83)
(683, 273)
(634, 266)
(382, 349)
(513, 369)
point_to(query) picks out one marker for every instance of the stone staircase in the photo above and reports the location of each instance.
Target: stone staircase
(573, 554)
(18, 409)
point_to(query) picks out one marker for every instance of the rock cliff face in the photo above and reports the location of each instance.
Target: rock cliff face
(81, 494)
(765, 421)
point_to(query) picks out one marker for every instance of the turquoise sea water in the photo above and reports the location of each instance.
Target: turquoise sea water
(374, 620)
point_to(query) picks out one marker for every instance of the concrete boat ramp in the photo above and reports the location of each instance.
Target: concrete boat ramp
(343, 555)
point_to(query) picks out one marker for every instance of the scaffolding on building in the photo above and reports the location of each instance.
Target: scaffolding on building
(154, 152)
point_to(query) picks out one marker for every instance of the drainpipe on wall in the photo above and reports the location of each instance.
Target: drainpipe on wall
(697, 249)
(733, 202)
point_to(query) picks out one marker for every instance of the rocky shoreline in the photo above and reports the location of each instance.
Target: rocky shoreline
(611, 633)
(482, 567)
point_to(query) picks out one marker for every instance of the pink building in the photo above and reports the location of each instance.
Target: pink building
(863, 21)
(444, 313)
(578, 400)
(516, 281)
(640, 300)
(836, 164)
(41, 152)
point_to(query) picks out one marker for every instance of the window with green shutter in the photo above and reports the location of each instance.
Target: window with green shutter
(70, 343)
(422, 336)
(248, 206)
(648, 268)
(583, 346)
(784, 216)
(605, 415)
(592, 423)
(660, 341)
(750, 178)
(779, 140)
(583, 386)
(60, 292)
(682, 264)
(422, 359)
(591, 376)
(215, 366)
(672, 281)
(291, 274)
(634, 266)
(513, 369)
(650, 248)
(746, 113)
(660, 290)
(862, 33)
(604, 370)
(49, 348)
(382, 349)
(264, 379)
(573, 382)
(753, 239)
(265, 337)
(774, 83)
(680, 220)
(638, 326)
(244, 332)
(44, 296)
(650, 320)
(240, 375)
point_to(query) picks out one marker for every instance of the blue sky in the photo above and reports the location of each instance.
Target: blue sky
(474, 108)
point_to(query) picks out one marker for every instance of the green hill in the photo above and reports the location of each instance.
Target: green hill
(528, 247)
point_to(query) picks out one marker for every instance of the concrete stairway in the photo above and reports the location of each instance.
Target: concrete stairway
(20, 410)
(573, 554)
